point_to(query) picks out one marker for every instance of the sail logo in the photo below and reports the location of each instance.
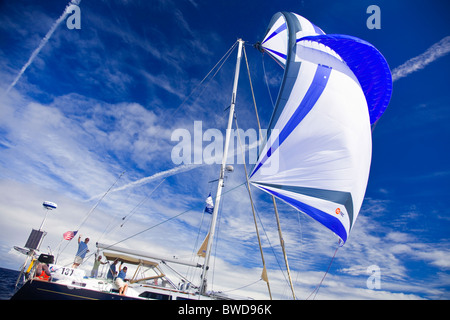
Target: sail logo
(200, 146)
(338, 211)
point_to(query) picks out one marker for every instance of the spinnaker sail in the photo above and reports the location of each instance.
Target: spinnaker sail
(318, 151)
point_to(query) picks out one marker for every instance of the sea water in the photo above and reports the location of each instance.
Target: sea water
(8, 280)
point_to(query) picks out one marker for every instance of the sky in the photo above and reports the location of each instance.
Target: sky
(88, 116)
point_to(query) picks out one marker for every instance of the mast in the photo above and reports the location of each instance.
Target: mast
(222, 171)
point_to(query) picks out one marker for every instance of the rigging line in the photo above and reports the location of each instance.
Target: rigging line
(194, 256)
(167, 220)
(316, 290)
(279, 229)
(266, 81)
(154, 226)
(260, 133)
(225, 56)
(277, 61)
(253, 95)
(133, 211)
(220, 67)
(192, 272)
(179, 274)
(243, 287)
(264, 274)
(283, 247)
(198, 236)
(89, 213)
(374, 125)
(270, 245)
(158, 224)
(301, 241)
(219, 218)
(262, 225)
(100, 200)
(268, 240)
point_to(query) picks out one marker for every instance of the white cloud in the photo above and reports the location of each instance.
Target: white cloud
(75, 147)
(84, 153)
(433, 53)
(435, 255)
(156, 176)
(41, 45)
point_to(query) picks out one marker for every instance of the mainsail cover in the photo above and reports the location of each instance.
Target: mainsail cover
(318, 151)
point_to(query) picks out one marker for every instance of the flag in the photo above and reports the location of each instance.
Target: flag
(264, 275)
(202, 250)
(69, 235)
(209, 205)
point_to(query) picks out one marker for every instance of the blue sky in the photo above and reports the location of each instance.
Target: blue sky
(105, 99)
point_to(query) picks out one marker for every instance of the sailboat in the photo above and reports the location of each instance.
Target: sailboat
(316, 156)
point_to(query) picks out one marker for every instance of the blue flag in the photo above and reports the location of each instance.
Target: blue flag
(209, 204)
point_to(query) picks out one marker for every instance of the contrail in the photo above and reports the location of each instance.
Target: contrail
(436, 51)
(159, 175)
(43, 43)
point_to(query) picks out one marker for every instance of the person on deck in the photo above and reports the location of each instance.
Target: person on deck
(43, 272)
(120, 280)
(112, 270)
(81, 253)
(97, 262)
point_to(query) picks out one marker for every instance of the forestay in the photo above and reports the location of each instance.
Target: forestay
(318, 152)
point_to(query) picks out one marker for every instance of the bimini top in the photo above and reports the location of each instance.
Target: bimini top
(111, 256)
(318, 151)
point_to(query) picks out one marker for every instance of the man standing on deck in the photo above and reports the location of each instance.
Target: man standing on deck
(120, 280)
(81, 253)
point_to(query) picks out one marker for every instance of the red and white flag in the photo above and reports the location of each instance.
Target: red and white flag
(69, 235)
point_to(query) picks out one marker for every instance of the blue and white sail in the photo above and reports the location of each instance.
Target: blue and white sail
(318, 151)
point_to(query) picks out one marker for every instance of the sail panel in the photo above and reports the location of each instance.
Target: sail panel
(275, 40)
(321, 142)
(283, 31)
(313, 93)
(332, 222)
(368, 65)
(318, 152)
(285, 43)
